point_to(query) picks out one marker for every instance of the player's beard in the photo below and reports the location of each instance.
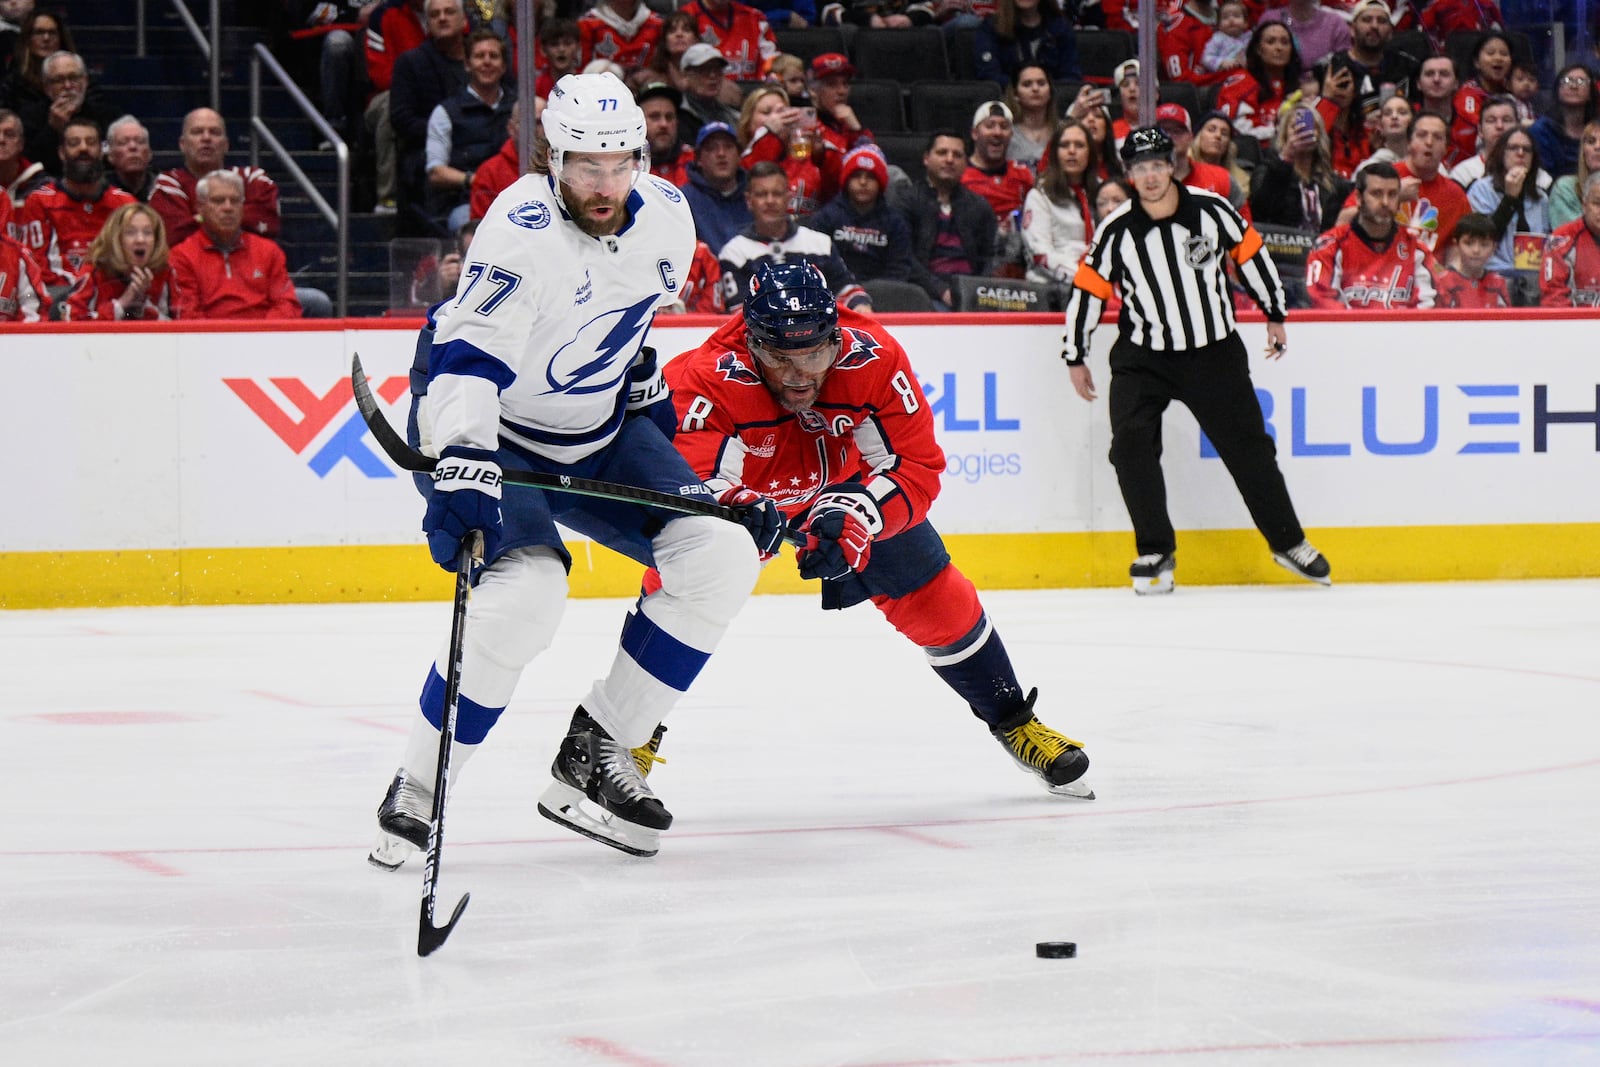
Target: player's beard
(603, 226)
(796, 394)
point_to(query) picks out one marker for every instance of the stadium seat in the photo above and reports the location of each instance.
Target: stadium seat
(879, 104)
(1099, 52)
(1185, 93)
(963, 53)
(905, 56)
(1413, 43)
(809, 42)
(904, 150)
(948, 105)
(890, 295)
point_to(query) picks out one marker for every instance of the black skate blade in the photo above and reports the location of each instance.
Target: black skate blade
(429, 936)
(594, 835)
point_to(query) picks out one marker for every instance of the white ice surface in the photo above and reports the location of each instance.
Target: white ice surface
(1346, 826)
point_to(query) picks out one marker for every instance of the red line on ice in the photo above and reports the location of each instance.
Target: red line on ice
(613, 1052)
(139, 861)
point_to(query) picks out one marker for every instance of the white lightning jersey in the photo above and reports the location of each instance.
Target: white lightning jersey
(536, 347)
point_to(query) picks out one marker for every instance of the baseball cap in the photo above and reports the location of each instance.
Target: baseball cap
(661, 89)
(989, 109)
(712, 128)
(1146, 142)
(1362, 5)
(698, 55)
(832, 63)
(1127, 68)
(1174, 113)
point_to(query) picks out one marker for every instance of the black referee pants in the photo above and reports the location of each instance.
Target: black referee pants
(1214, 384)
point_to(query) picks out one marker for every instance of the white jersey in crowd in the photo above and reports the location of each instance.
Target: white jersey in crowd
(535, 348)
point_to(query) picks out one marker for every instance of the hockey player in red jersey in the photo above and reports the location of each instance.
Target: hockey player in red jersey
(814, 406)
(1371, 262)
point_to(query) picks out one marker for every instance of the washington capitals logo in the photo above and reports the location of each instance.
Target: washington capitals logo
(734, 371)
(859, 349)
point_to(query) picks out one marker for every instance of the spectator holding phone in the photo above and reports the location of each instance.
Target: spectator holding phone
(1297, 186)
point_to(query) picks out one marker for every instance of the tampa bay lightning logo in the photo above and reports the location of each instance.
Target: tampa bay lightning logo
(734, 371)
(534, 215)
(667, 189)
(597, 358)
(859, 349)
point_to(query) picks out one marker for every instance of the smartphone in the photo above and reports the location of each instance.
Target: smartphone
(1304, 123)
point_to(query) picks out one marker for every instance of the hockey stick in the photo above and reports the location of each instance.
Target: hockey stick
(407, 458)
(429, 936)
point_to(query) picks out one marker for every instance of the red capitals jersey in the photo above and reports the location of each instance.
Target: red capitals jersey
(22, 295)
(1466, 111)
(1456, 290)
(1347, 270)
(1441, 18)
(1432, 217)
(701, 293)
(1210, 177)
(870, 420)
(398, 30)
(1239, 97)
(741, 34)
(1004, 190)
(57, 228)
(174, 200)
(813, 180)
(97, 293)
(629, 44)
(6, 211)
(1181, 42)
(1571, 275)
(492, 177)
(677, 171)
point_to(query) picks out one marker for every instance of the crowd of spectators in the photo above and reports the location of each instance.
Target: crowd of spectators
(1383, 176)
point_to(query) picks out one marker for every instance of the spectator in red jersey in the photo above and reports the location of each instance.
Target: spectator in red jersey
(130, 277)
(1371, 262)
(128, 157)
(394, 30)
(1003, 183)
(1572, 256)
(624, 31)
(1058, 214)
(1251, 97)
(204, 144)
(1318, 32)
(678, 31)
(59, 221)
(1032, 99)
(1441, 18)
(952, 228)
(1338, 107)
(562, 44)
(1296, 186)
(1491, 66)
(1026, 31)
(701, 292)
(741, 33)
(772, 131)
(1496, 118)
(1443, 96)
(18, 177)
(1430, 203)
(828, 83)
(1557, 132)
(224, 272)
(23, 297)
(1470, 284)
(669, 156)
(1173, 119)
(1214, 143)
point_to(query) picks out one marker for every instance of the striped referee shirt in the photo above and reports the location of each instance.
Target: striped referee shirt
(1174, 288)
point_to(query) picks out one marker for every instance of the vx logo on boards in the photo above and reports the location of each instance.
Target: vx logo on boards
(315, 413)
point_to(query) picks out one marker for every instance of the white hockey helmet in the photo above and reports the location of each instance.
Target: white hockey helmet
(593, 113)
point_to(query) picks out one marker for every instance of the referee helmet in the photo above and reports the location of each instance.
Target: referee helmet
(1146, 142)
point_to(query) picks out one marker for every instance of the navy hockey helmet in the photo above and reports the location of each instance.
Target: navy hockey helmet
(1146, 142)
(789, 306)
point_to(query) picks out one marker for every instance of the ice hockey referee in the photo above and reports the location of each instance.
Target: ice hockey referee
(1164, 250)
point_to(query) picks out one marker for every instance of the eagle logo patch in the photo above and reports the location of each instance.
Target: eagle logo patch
(734, 371)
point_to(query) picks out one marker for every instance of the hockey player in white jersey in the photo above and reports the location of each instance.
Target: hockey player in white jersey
(539, 363)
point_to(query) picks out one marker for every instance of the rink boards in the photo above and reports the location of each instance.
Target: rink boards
(188, 464)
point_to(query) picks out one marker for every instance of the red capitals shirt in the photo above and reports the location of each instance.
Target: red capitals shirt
(491, 179)
(701, 293)
(1456, 290)
(174, 200)
(870, 420)
(98, 291)
(57, 228)
(629, 43)
(1181, 41)
(1005, 190)
(677, 171)
(1347, 269)
(1571, 275)
(22, 295)
(741, 34)
(813, 180)
(247, 281)
(1432, 217)
(399, 29)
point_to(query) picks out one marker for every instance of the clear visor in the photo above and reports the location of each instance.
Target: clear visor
(805, 360)
(603, 174)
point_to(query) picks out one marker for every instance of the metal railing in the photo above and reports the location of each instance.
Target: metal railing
(338, 218)
(210, 44)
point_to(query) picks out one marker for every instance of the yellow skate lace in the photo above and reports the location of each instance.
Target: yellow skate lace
(645, 756)
(1037, 745)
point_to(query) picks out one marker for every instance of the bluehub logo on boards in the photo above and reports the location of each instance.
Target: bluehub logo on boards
(959, 405)
(1497, 420)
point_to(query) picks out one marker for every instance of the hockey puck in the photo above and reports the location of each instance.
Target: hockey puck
(1056, 950)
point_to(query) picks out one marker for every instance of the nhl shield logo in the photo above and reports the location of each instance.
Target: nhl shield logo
(1198, 252)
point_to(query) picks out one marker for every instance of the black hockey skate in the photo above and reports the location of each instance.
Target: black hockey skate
(403, 821)
(1152, 573)
(1056, 759)
(1303, 559)
(599, 789)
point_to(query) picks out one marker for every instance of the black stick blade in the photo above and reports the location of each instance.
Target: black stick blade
(429, 936)
(393, 445)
